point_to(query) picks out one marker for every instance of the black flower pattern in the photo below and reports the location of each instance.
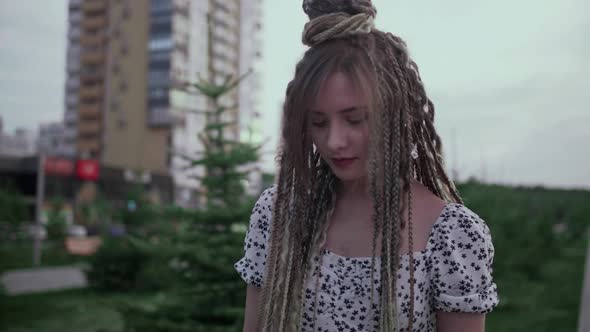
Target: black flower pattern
(453, 273)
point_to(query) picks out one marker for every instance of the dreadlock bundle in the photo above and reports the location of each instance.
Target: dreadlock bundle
(342, 37)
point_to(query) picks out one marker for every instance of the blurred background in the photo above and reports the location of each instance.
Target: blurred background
(135, 136)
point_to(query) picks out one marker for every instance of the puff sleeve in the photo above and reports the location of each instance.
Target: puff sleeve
(252, 265)
(461, 257)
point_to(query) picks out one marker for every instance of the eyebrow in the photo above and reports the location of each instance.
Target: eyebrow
(346, 110)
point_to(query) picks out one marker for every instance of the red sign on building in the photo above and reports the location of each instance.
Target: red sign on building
(87, 169)
(59, 166)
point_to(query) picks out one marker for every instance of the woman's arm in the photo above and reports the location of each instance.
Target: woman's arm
(460, 321)
(251, 311)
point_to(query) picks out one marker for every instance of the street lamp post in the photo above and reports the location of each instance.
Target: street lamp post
(40, 197)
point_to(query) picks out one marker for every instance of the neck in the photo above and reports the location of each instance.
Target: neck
(354, 189)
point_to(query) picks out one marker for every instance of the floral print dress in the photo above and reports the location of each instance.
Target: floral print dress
(453, 273)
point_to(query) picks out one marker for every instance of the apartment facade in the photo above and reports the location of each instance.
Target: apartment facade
(51, 140)
(127, 63)
(20, 144)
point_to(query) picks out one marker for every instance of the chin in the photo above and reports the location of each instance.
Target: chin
(348, 175)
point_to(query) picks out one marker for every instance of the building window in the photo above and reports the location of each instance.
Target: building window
(122, 123)
(160, 64)
(161, 6)
(158, 78)
(126, 11)
(158, 93)
(124, 49)
(160, 43)
(115, 69)
(161, 56)
(123, 85)
(114, 105)
(161, 24)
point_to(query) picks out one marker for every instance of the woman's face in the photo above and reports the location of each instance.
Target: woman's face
(339, 127)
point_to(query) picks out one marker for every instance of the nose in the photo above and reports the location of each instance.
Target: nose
(336, 139)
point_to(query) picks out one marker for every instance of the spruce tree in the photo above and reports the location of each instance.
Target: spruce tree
(191, 268)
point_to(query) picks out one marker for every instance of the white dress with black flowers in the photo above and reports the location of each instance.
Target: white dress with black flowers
(453, 273)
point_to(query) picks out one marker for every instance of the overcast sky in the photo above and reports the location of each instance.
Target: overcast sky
(507, 77)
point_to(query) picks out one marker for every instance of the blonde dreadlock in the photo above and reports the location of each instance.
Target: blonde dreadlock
(341, 37)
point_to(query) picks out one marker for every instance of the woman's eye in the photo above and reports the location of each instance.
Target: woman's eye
(319, 124)
(356, 121)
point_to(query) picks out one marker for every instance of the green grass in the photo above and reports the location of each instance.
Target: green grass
(19, 255)
(539, 273)
(80, 311)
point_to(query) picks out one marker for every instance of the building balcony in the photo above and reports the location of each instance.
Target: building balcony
(71, 99)
(91, 77)
(71, 118)
(74, 17)
(73, 83)
(92, 23)
(73, 66)
(74, 34)
(91, 92)
(89, 128)
(95, 58)
(90, 146)
(75, 3)
(92, 39)
(182, 9)
(90, 111)
(70, 134)
(94, 5)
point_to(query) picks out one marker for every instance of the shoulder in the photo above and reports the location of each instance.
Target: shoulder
(262, 211)
(268, 193)
(456, 217)
(251, 266)
(461, 257)
(426, 210)
(427, 205)
(461, 232)
(265, 200)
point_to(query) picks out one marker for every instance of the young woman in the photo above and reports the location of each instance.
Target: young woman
(363, 231)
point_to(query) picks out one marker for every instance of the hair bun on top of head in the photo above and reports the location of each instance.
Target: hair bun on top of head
(330, 19)
(315, 8)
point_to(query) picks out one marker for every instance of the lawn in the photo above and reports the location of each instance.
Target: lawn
(78, 310)
(540, 237)
(74, 310)
(19, 255)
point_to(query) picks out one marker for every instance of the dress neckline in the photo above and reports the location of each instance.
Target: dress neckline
(438, 220)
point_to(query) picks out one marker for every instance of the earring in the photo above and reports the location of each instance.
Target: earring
(414, 152)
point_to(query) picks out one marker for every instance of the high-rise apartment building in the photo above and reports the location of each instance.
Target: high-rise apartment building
(51, 138)
(127, 63)
(86, 79)
(20, 144)
(250, 56)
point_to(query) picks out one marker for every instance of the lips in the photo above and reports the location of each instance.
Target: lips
(343, 162)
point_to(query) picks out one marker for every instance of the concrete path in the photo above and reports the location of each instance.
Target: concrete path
(42, 279)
